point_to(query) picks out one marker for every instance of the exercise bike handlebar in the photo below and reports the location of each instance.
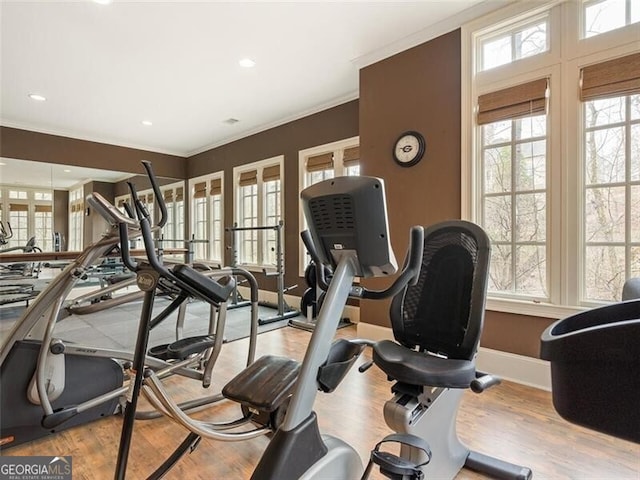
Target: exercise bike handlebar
(311, 248)
(411, 271)
(409, 275)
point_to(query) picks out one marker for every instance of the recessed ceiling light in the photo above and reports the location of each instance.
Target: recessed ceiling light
(66, 170)
(247, 63)
(35, 96)
(103, 2)
(147, 123)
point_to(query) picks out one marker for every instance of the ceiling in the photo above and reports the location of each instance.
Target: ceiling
(105, 68)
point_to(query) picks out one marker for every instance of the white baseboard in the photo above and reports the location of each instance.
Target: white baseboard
(374, 332)
(515, 368)
(351, 312)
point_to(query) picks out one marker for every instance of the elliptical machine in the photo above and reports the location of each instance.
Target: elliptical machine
(49, 385)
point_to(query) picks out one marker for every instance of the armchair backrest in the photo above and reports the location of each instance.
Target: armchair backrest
(444, 312)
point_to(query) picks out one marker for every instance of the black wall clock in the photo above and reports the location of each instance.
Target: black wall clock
(409, 149)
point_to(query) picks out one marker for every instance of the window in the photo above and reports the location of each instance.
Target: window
(611, 213)
(513, 191)
(258, 204)
(18, 194)
(29, 212)
(76, 215)
(601, 16)
(341, 158)
(521, 41)
(553, 177)
(43, 196)
(43, 231)
(206, 216)
(173, 230)
(19, 220)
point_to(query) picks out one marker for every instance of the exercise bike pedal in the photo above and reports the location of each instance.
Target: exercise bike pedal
(395, 467)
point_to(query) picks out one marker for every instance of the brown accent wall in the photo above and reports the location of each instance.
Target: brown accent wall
(419, 89)
(61, 215)
(94, 224)
(141, 182)
(40, 147)
(328, 126)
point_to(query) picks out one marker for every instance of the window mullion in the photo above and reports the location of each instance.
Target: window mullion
(627, 207)
(260, 214)
(514, 225)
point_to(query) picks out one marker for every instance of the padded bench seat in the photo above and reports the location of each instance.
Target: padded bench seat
(265, 384)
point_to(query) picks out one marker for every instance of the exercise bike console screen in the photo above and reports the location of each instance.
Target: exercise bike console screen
(347, 217)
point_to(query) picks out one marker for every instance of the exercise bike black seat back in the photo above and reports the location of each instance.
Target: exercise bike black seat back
(437, 323)
(442, 314)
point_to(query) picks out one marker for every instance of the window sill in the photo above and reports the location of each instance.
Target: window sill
(531, 308)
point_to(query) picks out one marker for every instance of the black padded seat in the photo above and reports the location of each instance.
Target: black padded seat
(417, 368)
(265, 384)
(209, 289)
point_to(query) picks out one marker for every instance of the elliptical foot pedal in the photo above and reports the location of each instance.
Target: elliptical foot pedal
(183, 348)
(159, 351)
(186, 347)
(395, 467)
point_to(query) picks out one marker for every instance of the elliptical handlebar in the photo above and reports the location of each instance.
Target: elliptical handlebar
(156, 190)
(108, 211)
(125, 254)
(409, 275)
(129, 210)
(140, 209)
(6, 235)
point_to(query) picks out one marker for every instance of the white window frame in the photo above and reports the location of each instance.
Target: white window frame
(568, 53)
(76, 220)
(337, 148)
(171, 230)
(259, 166)
(212, 232)
(31, 203)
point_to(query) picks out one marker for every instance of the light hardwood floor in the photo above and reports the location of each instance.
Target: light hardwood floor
(510, 421)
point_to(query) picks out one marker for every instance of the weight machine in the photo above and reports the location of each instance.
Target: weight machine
(285, 311)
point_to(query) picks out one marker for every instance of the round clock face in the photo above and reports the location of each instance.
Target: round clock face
(409, 149)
